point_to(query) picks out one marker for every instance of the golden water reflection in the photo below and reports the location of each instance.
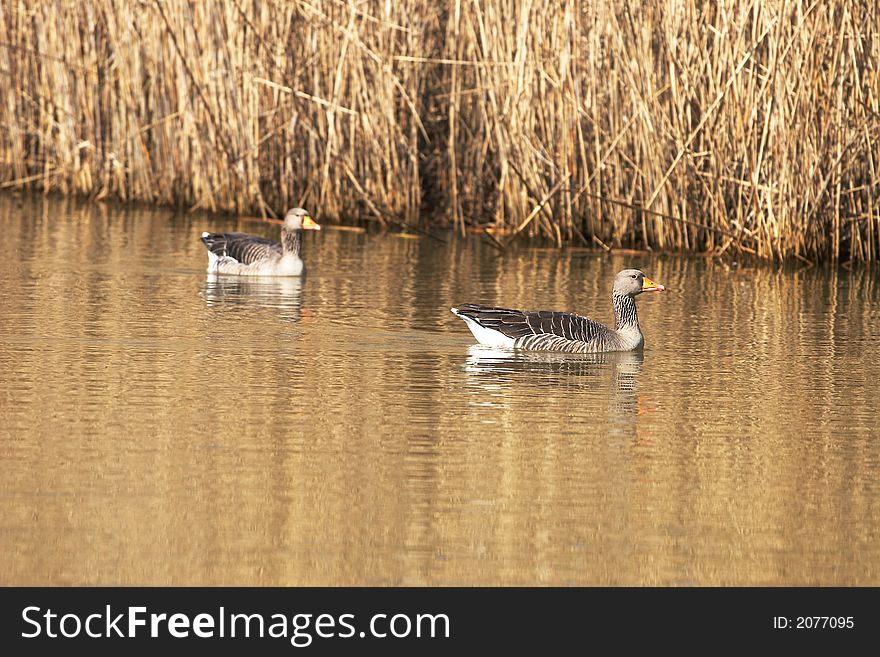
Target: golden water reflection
(162, 426)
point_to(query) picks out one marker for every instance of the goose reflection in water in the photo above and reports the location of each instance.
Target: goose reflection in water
(487, 360)
(497, 374)
(281, 293)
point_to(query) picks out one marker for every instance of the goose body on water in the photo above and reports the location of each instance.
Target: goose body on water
(547, 330)
(249, 255)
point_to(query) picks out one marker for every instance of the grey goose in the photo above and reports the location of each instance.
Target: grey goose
(547, 330)
(249, 255)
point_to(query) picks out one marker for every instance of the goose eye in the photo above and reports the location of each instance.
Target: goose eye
(635, 275)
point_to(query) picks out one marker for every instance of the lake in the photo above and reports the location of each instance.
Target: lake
(163, 426)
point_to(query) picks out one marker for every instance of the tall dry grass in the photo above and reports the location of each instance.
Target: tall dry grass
(743, 125)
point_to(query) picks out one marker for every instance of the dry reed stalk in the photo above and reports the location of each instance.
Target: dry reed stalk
(236, 106)
(743, 125)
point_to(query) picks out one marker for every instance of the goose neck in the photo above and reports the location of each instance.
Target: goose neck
(291, 241)
(625, 315)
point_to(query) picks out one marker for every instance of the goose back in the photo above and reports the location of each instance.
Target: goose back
(540, 330)
(246, 249)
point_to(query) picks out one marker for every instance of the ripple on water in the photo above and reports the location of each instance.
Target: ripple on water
(343, 429)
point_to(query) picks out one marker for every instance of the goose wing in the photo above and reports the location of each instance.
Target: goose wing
(244, 248)
(521, 323)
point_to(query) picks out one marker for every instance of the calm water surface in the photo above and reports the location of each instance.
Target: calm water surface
(162, 426)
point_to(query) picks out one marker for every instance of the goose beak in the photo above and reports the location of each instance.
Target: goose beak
(310, 224)
(650, 286)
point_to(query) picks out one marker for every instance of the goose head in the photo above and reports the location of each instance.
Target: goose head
(631, 282)
(298, 219)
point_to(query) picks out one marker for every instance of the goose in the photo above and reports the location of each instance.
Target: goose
(546, 330)
(248, 255)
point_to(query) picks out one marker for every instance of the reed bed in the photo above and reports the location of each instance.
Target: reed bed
(743, 126)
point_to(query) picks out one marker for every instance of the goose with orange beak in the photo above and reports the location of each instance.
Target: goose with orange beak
(548, 330)
(248, 255)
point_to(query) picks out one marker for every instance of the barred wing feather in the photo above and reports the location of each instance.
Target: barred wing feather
(519, 324)
(244, 248)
